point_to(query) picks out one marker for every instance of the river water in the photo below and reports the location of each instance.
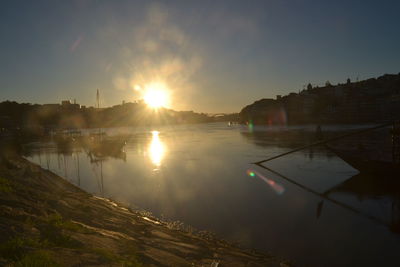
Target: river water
(203, 175)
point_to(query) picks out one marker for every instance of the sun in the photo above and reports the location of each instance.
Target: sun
(156, 95)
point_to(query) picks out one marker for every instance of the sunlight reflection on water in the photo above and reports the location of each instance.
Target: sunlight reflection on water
(156, 149)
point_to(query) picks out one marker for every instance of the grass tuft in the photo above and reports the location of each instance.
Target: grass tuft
(52, 231)
(13, 249)
(128, 259)
(5, 185)
(105, 255)
(37, 258)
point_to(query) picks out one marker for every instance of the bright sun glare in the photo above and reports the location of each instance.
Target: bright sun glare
(156, 95)
(156, 149)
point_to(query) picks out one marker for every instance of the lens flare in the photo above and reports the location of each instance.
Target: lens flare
(279, 189)
(251, 173)
(251, 126)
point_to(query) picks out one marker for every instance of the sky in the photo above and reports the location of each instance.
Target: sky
(212, 56)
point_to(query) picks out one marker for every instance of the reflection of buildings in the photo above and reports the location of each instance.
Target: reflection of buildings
(156, 149)
(67, 150)
(287, 139)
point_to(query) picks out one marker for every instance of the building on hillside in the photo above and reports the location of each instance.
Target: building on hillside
(67, 104)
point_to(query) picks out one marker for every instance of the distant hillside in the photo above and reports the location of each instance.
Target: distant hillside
(69, 115)
(368, 101)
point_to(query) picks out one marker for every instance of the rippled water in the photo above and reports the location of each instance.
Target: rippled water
(202, 175)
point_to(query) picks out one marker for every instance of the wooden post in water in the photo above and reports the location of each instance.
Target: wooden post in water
(97, 99)
(396, 142)
(47, 159)
(77, 168)
(101, 174)
(327, 198)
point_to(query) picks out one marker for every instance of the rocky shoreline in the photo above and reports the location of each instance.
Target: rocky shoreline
(46, 221)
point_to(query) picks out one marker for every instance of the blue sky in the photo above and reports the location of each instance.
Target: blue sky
(214, 56)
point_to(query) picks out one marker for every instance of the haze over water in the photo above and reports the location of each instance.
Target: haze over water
(202, 175)
(83, 64)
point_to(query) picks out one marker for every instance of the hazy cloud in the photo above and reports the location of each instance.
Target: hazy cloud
(159, 51)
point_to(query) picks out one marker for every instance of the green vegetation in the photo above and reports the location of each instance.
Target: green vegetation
(131, 260)
(105, 255)
(57, 221)
(19, 250)
(36, 250)
(39, 258)
(53, 231)
(5, 185)
(109, 257)
(13, 249)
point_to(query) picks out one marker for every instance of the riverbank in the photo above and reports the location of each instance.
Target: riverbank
(50, 222)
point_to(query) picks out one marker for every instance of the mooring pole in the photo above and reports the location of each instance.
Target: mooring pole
(327, 198)
(396, 142)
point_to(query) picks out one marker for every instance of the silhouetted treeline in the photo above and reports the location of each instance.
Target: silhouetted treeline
(232, 117)
(368, 101)
(68, 115)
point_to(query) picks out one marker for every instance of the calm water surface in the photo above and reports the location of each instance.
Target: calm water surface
(202, 175)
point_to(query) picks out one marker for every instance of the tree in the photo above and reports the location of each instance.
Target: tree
(348, 81)
(328, 84)
(309, 86)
